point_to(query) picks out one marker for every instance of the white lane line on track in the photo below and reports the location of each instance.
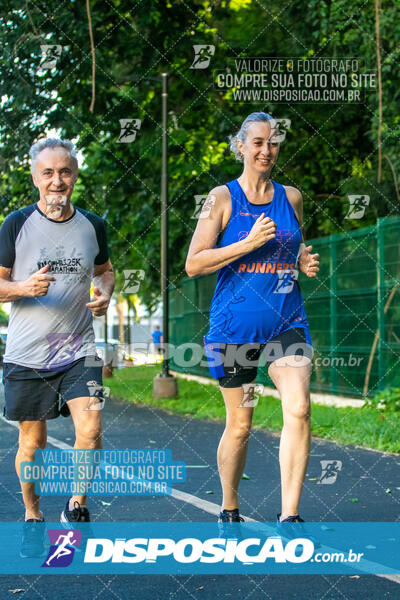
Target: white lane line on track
(209, 507)
(205, 505)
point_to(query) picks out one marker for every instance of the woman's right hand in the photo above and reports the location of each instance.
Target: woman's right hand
(263, 230)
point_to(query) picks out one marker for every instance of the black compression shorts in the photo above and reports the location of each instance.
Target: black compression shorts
(239, 362)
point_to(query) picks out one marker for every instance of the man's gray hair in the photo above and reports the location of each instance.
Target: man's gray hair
(37, 147)
(242, 133)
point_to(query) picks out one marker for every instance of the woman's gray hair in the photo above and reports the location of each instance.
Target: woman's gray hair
(242, 133)
(37, 147)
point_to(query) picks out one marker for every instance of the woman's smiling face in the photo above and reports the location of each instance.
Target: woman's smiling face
(260, 149)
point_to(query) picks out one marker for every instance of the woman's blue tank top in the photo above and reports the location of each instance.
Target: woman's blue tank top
(257, 296)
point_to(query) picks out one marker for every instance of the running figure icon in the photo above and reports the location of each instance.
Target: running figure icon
(62, 547)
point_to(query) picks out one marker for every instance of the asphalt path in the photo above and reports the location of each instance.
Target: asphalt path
(360, 493)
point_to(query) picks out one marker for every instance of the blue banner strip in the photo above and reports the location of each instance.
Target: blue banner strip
(193, 548)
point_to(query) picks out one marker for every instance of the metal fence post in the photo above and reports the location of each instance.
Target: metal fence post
(380, 279)
(333, 310)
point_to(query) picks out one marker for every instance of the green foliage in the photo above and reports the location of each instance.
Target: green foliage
(330, 149)
(3, 317)
(387, 400)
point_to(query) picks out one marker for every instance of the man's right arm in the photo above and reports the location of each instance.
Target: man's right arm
(36, 285)
(9, 290)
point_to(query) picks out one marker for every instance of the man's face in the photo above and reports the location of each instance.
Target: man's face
(55, 175)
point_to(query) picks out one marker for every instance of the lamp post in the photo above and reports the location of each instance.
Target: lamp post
(164, 222)
(164, 384)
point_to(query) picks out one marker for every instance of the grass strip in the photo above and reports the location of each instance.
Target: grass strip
(366, 427)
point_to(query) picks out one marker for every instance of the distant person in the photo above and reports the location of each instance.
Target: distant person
(157, 338)
(50, 252)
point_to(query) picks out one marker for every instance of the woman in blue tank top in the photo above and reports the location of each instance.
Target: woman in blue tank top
(249, 231)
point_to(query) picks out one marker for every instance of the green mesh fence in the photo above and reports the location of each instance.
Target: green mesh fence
(353, 308)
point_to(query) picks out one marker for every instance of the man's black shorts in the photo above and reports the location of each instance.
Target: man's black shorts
(236, 368)
(32, 395)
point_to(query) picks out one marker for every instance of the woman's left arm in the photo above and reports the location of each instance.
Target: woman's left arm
(307, 263)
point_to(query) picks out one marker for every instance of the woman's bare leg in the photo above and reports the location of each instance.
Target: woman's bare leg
(293, 384)
(232, 449)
